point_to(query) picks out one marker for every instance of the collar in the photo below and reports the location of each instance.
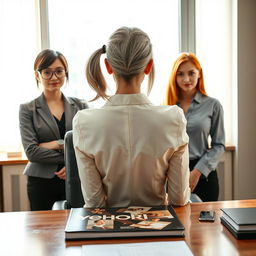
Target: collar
(128, 99)
(40, 101)
(198, 97)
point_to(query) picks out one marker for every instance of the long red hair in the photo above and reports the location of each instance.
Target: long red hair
(172, 93)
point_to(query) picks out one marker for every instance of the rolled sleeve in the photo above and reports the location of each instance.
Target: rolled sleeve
(212, 156)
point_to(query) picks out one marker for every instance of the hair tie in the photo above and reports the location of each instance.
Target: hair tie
(104, 48)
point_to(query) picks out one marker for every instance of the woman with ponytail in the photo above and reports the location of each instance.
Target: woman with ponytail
(130, 152)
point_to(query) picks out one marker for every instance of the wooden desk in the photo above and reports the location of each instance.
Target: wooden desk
(42, 233)
(13, 184)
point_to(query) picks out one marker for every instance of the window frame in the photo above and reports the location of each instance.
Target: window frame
(186, 22)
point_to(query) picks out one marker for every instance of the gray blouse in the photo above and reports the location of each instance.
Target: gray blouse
(204, 119)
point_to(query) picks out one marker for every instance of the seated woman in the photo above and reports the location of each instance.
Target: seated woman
(128, 150)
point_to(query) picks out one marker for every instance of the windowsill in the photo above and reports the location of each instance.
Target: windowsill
(7, 160)
(230, 148)
(22, 159)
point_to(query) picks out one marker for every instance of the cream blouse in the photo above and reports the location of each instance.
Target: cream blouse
(128, 150)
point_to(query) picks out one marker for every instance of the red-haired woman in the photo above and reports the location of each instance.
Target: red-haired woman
(204, 116)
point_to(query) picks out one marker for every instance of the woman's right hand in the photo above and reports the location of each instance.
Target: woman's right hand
(61, 173)
(194, 179)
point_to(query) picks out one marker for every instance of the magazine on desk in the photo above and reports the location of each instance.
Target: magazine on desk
(134, 221)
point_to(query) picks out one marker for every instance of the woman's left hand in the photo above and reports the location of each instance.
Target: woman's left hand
(50, 145)
(194, 178)
(61, 173)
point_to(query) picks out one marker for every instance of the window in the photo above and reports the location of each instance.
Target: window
(81, 27)
(214, 50)
(78, 27)
(18, 47)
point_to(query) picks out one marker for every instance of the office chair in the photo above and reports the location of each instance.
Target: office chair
(194, 198)
(74, 197)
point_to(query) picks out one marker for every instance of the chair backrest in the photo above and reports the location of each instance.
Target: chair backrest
(74, 195)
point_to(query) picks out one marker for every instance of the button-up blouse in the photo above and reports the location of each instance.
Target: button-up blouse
(204, 119)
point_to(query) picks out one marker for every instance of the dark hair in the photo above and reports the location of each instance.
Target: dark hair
(46, 57)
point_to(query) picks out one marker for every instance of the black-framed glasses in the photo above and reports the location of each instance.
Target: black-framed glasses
(48, 73)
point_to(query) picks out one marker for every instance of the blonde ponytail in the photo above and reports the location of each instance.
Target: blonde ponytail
(129, 50)
(94, 75)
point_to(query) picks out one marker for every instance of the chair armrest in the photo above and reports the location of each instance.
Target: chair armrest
(194, 198)
(60, 205)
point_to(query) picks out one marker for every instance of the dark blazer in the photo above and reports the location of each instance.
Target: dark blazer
(37, 125)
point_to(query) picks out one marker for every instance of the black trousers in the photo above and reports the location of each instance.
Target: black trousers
(42, 193)
(207, 188)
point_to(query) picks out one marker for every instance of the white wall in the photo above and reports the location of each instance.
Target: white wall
(245, 160)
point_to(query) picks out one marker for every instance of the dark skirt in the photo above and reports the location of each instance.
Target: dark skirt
(42, 193)
(207, 188)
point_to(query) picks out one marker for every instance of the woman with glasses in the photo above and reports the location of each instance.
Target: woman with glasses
(43, 124)
(204, 116)
(128, 150)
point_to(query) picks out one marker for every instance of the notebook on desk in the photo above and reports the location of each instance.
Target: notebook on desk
(241, 222)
